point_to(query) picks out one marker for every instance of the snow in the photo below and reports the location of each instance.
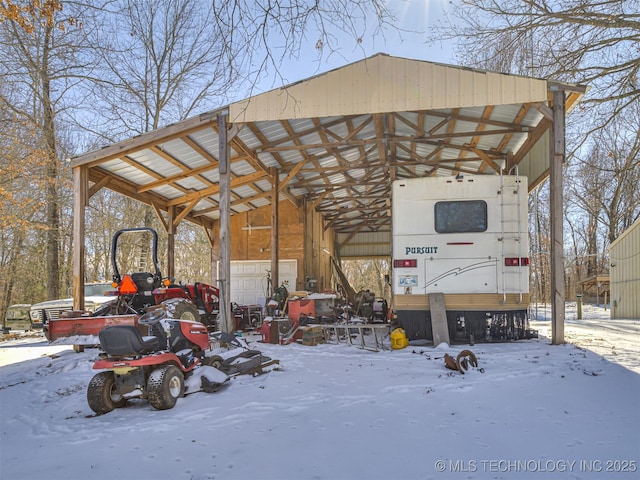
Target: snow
(530, 410)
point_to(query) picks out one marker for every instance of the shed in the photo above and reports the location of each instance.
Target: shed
(330, 146)
(624, 273)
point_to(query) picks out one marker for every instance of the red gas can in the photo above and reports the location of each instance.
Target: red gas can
(265, 331)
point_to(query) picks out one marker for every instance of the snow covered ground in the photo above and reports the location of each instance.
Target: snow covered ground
(339, 412)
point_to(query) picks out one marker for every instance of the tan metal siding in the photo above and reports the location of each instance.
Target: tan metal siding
(625, 274)
(387, 84)
(535, 164)
(365, 245)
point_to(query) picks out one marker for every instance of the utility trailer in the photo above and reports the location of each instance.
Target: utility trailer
(463, 239)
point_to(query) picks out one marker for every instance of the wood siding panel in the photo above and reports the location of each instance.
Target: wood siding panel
(308, 246)
(461, 301)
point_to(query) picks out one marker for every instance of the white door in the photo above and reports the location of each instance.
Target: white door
(249, 279)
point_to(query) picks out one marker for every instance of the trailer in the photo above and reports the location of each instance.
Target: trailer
(460, 249)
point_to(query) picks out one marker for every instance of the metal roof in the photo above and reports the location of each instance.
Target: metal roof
(339, 139)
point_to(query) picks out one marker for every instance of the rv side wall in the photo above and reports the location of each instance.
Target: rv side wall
(463, 237)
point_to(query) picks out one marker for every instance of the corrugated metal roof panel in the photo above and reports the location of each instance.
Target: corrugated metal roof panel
(260, 202)
(244, 191)
(168, 191)
(207, 139)
(242, 167)
(263, 185)
(192, 183)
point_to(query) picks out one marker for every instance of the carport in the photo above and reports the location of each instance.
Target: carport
(333, 144)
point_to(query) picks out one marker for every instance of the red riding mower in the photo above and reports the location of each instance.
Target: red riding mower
(161, 368)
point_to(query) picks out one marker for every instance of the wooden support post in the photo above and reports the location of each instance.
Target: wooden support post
(579, 301)
(226, 320)
(171, 242)
(557, 234)
(275, 271)
(213, 259)
(80, 201)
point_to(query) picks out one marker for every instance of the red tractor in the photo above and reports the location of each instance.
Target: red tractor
(135, 294)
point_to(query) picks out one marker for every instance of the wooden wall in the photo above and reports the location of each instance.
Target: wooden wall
(301, 237)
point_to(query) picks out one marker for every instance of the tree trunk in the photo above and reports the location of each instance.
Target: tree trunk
(53, 210)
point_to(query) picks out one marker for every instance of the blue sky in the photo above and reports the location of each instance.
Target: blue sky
(414, 20)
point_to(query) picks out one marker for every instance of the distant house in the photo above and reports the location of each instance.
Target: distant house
(624, 273)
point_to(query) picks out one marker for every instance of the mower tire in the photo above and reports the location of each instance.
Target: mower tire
(164, 386)
(102, 395)
(184, 310)
(213, 361)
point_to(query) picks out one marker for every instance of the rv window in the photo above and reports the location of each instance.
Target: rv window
(461, 216)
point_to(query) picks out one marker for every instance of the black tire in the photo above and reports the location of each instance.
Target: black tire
(213, 361)
(164, 386)
(185, 310)
(102, 395)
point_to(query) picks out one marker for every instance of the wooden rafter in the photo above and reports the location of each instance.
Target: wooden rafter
(343, 165)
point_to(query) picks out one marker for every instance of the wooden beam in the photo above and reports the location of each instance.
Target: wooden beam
(227, 322)
(210, 237)
(185, 211)
(237, 182)
(96, 187)
(80, 201)
(557, 234)
(160, 217)
(275, 193)
(171, 242)
(294, 171)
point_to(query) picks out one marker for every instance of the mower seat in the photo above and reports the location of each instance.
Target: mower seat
(126, 340)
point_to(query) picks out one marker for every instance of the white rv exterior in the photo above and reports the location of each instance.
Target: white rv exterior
(465, 237)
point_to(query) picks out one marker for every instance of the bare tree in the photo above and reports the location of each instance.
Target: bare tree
(606, 183)
(540, 244)
(590, 42)
(40, 62)
(258, 36)
(164, 63)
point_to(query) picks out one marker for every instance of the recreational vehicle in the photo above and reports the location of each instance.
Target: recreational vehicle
(462, 239)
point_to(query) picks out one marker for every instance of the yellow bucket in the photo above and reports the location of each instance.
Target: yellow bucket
(398, 339)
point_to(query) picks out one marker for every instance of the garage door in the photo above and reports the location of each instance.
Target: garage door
(249, 279)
